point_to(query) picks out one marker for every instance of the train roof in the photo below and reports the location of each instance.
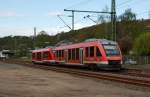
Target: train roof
(42, 49)
(105, 41)
(88, 42)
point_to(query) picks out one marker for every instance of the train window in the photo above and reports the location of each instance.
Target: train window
(98, 53)
(45, 54)
(92, 51)
(57, 54)
(87, 51)
(77, 53)
(33, 55)
(73, 54)
(39, 55)
(69, 54)
(62, 53)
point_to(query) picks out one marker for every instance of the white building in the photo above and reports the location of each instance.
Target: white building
(3, 56)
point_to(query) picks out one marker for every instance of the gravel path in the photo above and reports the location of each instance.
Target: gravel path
(21, 81)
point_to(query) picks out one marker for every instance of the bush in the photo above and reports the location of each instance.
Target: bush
(142, 44)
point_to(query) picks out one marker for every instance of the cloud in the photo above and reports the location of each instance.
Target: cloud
(55, 13)
(9, 14)
(28, 31)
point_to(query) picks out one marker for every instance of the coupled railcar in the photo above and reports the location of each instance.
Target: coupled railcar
(44, 55)
(93, 53)
(97, 53)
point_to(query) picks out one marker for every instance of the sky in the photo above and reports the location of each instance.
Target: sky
(19, 17)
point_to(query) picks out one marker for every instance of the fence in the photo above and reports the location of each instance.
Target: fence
(136, 59)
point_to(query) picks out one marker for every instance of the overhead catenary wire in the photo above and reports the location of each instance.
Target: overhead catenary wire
(89, 17)
(129, 3)
(143, 13)
(63, 21)
(123, 3)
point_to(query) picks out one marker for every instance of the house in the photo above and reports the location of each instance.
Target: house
(3, 56)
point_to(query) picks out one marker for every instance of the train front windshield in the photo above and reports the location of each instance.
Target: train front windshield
(111, 50)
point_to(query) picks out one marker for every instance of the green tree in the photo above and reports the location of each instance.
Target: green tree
(42, 39)
(103, 18)
(142, 44)
(128, 15)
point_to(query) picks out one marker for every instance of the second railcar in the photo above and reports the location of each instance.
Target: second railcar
(44, 55)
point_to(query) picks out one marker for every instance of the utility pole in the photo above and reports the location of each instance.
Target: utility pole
(113, 20)
(72, 20)
(112, 13)
(34, 38)
(15, 44)
(149, 14)
(81, 11)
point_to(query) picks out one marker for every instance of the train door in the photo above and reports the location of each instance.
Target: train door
(81, 55)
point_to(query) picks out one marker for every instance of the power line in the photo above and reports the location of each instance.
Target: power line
(83, 11)
(63, 21)
(89, 17)
(144, 12)
(123, 3)
(79, 20)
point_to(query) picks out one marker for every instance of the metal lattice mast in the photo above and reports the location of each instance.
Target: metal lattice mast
(113, 20)
(34, 38)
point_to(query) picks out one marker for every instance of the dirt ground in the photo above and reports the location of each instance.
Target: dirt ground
(21, 81)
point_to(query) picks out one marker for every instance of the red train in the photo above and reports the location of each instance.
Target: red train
(93, 53)
(44, 55)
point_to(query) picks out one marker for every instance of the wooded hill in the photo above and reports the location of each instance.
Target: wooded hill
(127, 34)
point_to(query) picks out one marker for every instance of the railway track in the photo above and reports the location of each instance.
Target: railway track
(138, 73)
(98, 75)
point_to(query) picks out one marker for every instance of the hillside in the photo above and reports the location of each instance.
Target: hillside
(127, 32)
